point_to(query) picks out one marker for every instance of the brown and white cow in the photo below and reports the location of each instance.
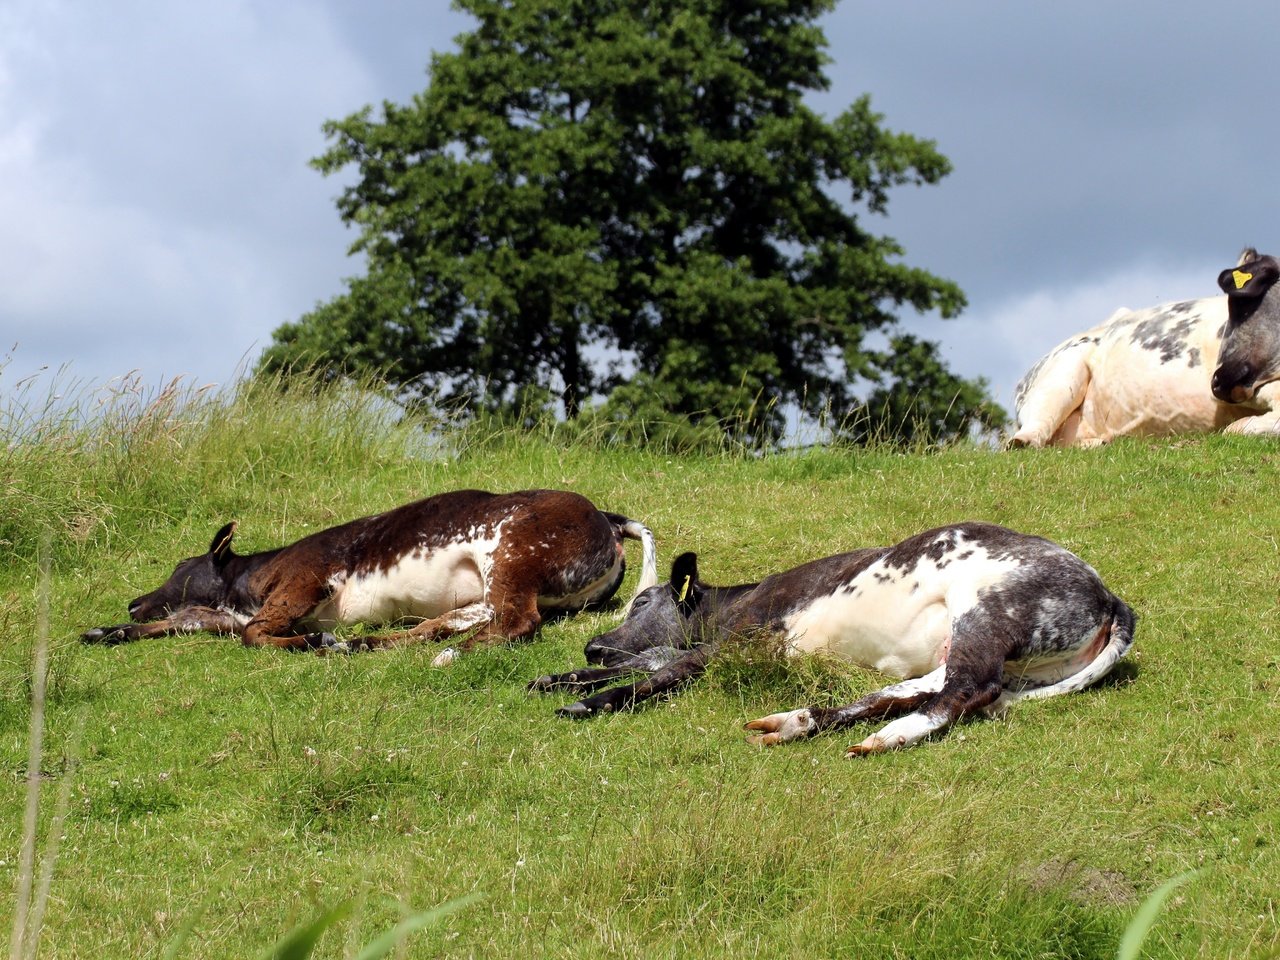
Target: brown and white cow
(1199, 366)
(462, 561)
(976, 616)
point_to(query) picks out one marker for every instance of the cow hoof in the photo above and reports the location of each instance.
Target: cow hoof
(445, 657)
(873, 744)
(541, 684)
(106, 635)
(325, 643)
(575, 710)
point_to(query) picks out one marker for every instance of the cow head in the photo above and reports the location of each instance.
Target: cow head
(196, 581)
(1250, 353)
(665, 615)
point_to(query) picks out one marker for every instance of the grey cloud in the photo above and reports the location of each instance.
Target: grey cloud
(154, 181)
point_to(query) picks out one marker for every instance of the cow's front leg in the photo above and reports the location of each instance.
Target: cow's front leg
(276, 622)
(1264, 424)
(586, 679)
(582, 680)
(186, 620)
(692, 664)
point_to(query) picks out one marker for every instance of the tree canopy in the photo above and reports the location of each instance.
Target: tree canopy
(630, 200)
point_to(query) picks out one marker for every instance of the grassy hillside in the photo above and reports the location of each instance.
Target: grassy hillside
(263, 787)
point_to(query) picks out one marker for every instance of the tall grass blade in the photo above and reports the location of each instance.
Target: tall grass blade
(298, 943)
(40, 673)
(183, 933)
(1136, 932)
(36, 920)
(393, 937)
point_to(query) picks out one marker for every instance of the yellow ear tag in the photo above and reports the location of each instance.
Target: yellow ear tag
(684, 591)
(1241, 278)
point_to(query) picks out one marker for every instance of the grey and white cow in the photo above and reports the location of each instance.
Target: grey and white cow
(975, 615)
(1198, 366)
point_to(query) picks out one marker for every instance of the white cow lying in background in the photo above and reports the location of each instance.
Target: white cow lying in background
(1199, 366)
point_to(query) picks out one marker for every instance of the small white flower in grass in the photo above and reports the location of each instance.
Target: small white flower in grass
(308, 751)
(373, 818)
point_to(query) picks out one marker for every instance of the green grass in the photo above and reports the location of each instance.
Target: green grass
(261, 789)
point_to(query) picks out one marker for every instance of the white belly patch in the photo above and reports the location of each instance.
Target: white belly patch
(421, 584)
(898, 623)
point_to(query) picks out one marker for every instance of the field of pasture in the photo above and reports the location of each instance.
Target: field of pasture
(190, 784)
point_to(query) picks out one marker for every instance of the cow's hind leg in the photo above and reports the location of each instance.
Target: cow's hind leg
(470, 617)
(937, 713)
(1053, 396)
(513, 615)
(793, 724)
(974, 670)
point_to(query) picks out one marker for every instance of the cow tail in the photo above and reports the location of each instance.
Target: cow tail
(1119, 640)
(635, 530)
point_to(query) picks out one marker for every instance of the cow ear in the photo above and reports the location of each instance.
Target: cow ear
(1250, 280)
(684, 580)
(220, 547)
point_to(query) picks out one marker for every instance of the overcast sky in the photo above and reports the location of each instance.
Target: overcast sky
(158, 214)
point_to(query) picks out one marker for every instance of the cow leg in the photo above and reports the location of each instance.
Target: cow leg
(793, 724)
(274, 623)
(447, 625)
(974, 669)
(514, 618)
(693, 664)
(937, 714)
(1264, 424)
(584, 680)
(186, 620)
(1056, 392)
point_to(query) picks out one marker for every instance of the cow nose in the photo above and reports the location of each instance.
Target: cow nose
(1231, 381)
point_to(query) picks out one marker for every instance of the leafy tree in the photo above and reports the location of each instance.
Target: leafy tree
(598, 193)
